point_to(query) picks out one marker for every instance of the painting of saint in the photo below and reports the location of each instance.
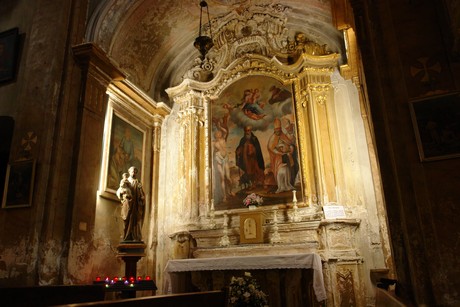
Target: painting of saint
(126, 150)
(254, 143)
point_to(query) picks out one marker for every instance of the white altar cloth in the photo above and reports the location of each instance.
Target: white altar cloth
(294, 261)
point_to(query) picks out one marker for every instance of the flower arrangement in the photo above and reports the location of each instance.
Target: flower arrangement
(253, 200)
(244, 292)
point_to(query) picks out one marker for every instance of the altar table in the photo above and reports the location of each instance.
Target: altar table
(293, 261)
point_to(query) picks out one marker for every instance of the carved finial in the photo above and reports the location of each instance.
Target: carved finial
(302, 45)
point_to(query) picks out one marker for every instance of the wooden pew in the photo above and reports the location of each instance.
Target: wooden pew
(195, 299)
(43, 296)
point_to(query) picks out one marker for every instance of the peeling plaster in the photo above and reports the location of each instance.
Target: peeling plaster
(15, 264)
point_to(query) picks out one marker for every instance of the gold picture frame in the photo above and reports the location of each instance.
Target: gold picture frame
(19, 184)
(246, 115)
(121, 133)
(251, 224)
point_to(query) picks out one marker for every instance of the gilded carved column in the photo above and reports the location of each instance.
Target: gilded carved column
(303, 111)
(320, 96)
(314, 93)
(156, 146)
(192, 122)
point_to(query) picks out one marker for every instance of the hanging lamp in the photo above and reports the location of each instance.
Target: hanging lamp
(203, 43)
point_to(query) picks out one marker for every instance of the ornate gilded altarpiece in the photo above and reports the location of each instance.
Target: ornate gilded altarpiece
(255, 81)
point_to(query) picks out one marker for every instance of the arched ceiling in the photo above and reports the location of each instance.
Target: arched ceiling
(152, 40)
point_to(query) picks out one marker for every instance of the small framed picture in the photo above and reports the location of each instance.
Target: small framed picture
(9, 49)
(19, 184)
(436, 122)
(251, 227)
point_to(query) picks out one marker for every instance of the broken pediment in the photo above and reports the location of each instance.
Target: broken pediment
(258, 31)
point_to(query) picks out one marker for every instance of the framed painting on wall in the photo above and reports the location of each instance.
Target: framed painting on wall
(19, 184)
(9, 49)
(436, 122)
(254, 143)
(125, 149)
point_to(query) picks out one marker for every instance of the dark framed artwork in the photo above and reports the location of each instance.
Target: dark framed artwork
(9, 49)
(125, 149)
(254, 143)
(19, 184)
(436, 122)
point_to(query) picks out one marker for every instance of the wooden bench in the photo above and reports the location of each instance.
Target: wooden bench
(41, 296)
(195, 299)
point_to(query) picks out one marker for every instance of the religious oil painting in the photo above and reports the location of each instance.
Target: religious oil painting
(19, 184)
(436, 123)
(126, 149)
(254, 143)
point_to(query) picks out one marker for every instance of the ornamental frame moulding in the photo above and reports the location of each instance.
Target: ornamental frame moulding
(252, 30)
(309, 79)
(315, 70)
(257, 29)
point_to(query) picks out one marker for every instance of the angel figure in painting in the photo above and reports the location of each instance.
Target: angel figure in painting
(132, 197)
(252, 107)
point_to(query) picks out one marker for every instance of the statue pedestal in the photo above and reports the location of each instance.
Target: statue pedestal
(130, 253)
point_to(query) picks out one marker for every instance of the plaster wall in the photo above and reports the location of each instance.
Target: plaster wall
(32, 100)
(11, 13)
